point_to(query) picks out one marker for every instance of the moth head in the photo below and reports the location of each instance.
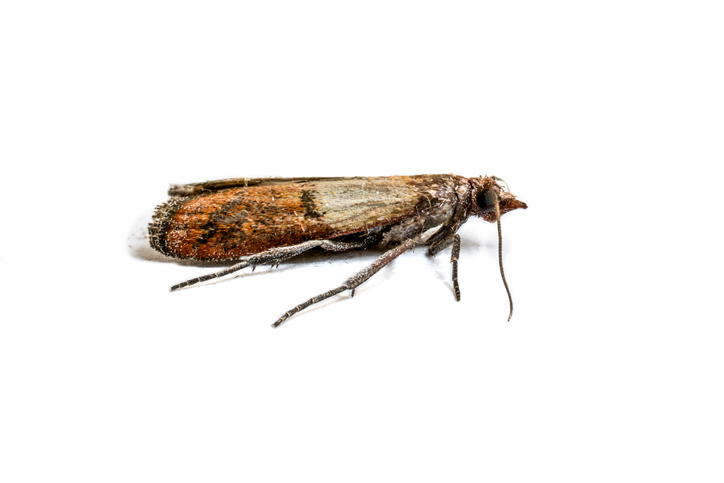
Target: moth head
(485, 191)
(490, 201)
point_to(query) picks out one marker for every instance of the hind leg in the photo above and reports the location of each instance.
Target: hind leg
(275, 256)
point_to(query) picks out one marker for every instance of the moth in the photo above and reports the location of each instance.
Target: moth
(256, 221)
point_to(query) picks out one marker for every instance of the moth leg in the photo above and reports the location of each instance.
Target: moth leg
(353, 282)
(276, 256)
(441, 245)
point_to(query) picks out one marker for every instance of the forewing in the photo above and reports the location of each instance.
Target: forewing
(224, 223)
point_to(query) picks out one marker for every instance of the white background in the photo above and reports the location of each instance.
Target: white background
(605, 117)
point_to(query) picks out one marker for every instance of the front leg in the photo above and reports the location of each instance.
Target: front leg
(440, 245)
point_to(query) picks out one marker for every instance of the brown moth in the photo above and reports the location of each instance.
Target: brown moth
(267, 220)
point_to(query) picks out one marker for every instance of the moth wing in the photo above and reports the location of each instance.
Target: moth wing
(220, 184)
(351, 205)
(227, 219)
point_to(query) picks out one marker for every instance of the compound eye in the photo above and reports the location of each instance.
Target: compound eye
(485, 200)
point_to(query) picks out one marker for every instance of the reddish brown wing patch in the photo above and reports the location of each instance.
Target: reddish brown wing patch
(230, 223)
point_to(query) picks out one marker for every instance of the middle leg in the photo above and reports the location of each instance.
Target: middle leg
(353, 282)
